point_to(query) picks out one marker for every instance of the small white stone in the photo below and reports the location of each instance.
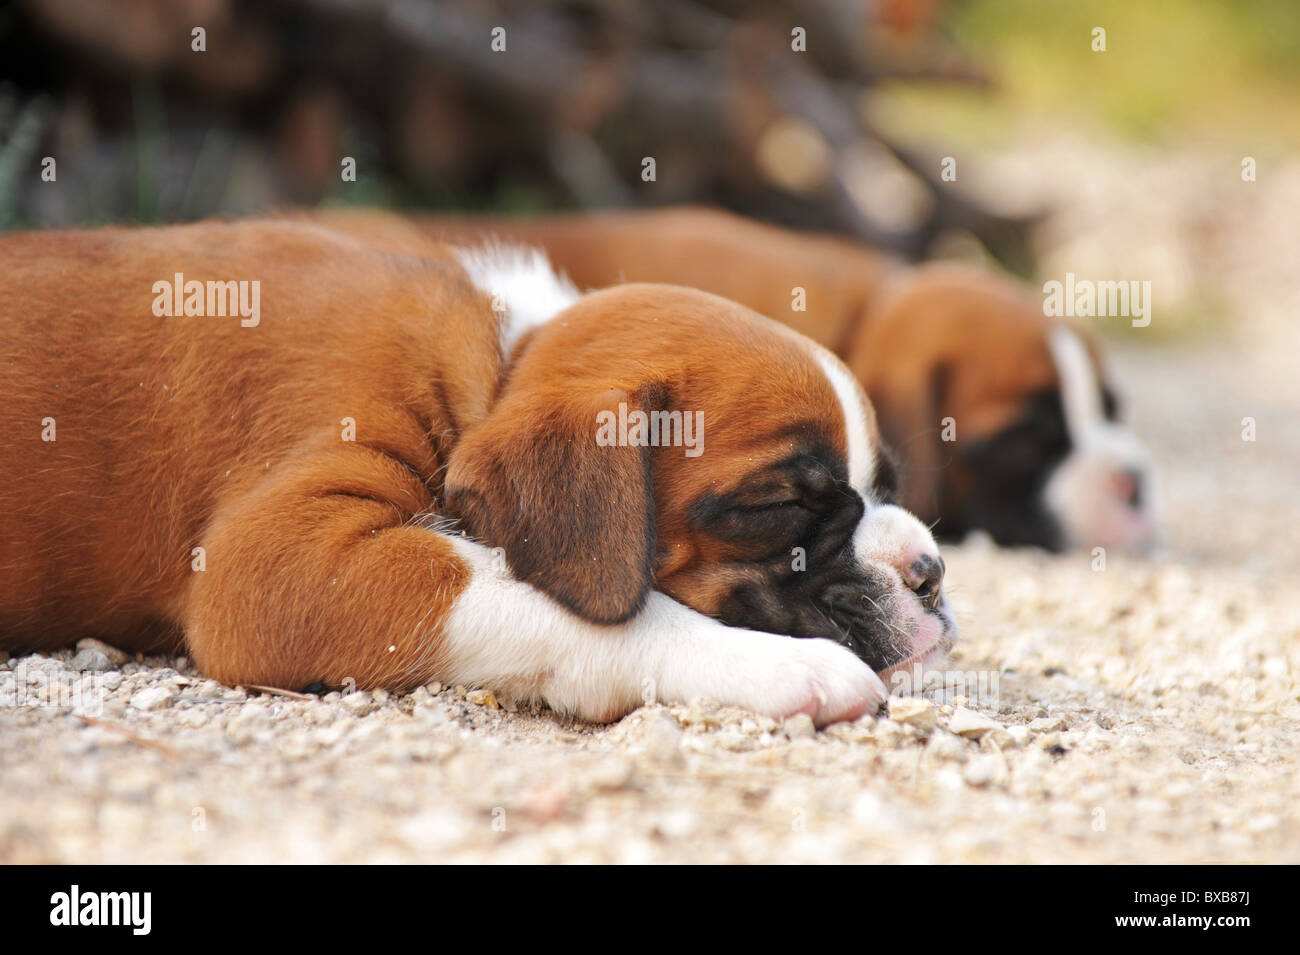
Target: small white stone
(153, 698)
(947, 747)
(113, 654)
(914, 711)
(358, 703)
(482, 698)
(91, 659)
(970, 724)
(1046, 724)
(736, 741)
(420, 695)
(800, 726)
(1019, 735)
(247, 721)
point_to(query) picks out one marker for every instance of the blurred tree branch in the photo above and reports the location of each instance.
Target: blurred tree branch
(755, 105)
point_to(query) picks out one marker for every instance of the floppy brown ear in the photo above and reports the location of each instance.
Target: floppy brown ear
(576, 519)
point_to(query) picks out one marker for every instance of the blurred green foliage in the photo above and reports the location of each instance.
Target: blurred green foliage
(1172, 68)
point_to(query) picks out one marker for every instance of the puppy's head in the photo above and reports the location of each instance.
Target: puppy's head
(658, 437)
(1004, 419)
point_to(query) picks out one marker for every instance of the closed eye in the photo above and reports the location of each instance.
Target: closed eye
(761, 530)
(773, 505)
(800, 500)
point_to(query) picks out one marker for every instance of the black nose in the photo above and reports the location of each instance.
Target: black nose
(925, 577)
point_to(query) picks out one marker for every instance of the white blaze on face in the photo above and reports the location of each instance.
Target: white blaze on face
(887, 537)
(862, 456)
(1089, 492)
(886, 533)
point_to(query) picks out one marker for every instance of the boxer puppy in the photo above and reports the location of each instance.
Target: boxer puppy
(1005, 421)
(305, 458)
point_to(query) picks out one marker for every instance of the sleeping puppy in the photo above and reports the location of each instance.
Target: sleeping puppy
(304, 457)
(1004, 420)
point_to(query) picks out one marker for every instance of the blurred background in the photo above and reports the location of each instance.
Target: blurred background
(842, 115)
(827, 114)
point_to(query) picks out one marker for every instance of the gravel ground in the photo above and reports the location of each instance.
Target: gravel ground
(1147, 712)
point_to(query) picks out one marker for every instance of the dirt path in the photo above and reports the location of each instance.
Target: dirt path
(1145, 712)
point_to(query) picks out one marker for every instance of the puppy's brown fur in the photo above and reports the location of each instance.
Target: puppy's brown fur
(183, 433)
(200, 491)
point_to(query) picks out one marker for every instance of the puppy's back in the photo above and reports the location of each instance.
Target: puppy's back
(127, 428)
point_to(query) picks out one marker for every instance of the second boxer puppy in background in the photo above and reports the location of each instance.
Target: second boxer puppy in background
(381, 477)
(1005, 422)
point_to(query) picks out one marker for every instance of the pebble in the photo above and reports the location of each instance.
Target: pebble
(799, 726)
(248, 721)
(90, 659)
(947, 747)
(114, 656)
(209, 690)
(970, 724)
(1046, 724)
(736, 741)
(482, 698)
(358, 703)
(914, 711)
(153, 698)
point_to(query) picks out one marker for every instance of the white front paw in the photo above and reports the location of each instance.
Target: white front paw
(778, 676)
(829, 683)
